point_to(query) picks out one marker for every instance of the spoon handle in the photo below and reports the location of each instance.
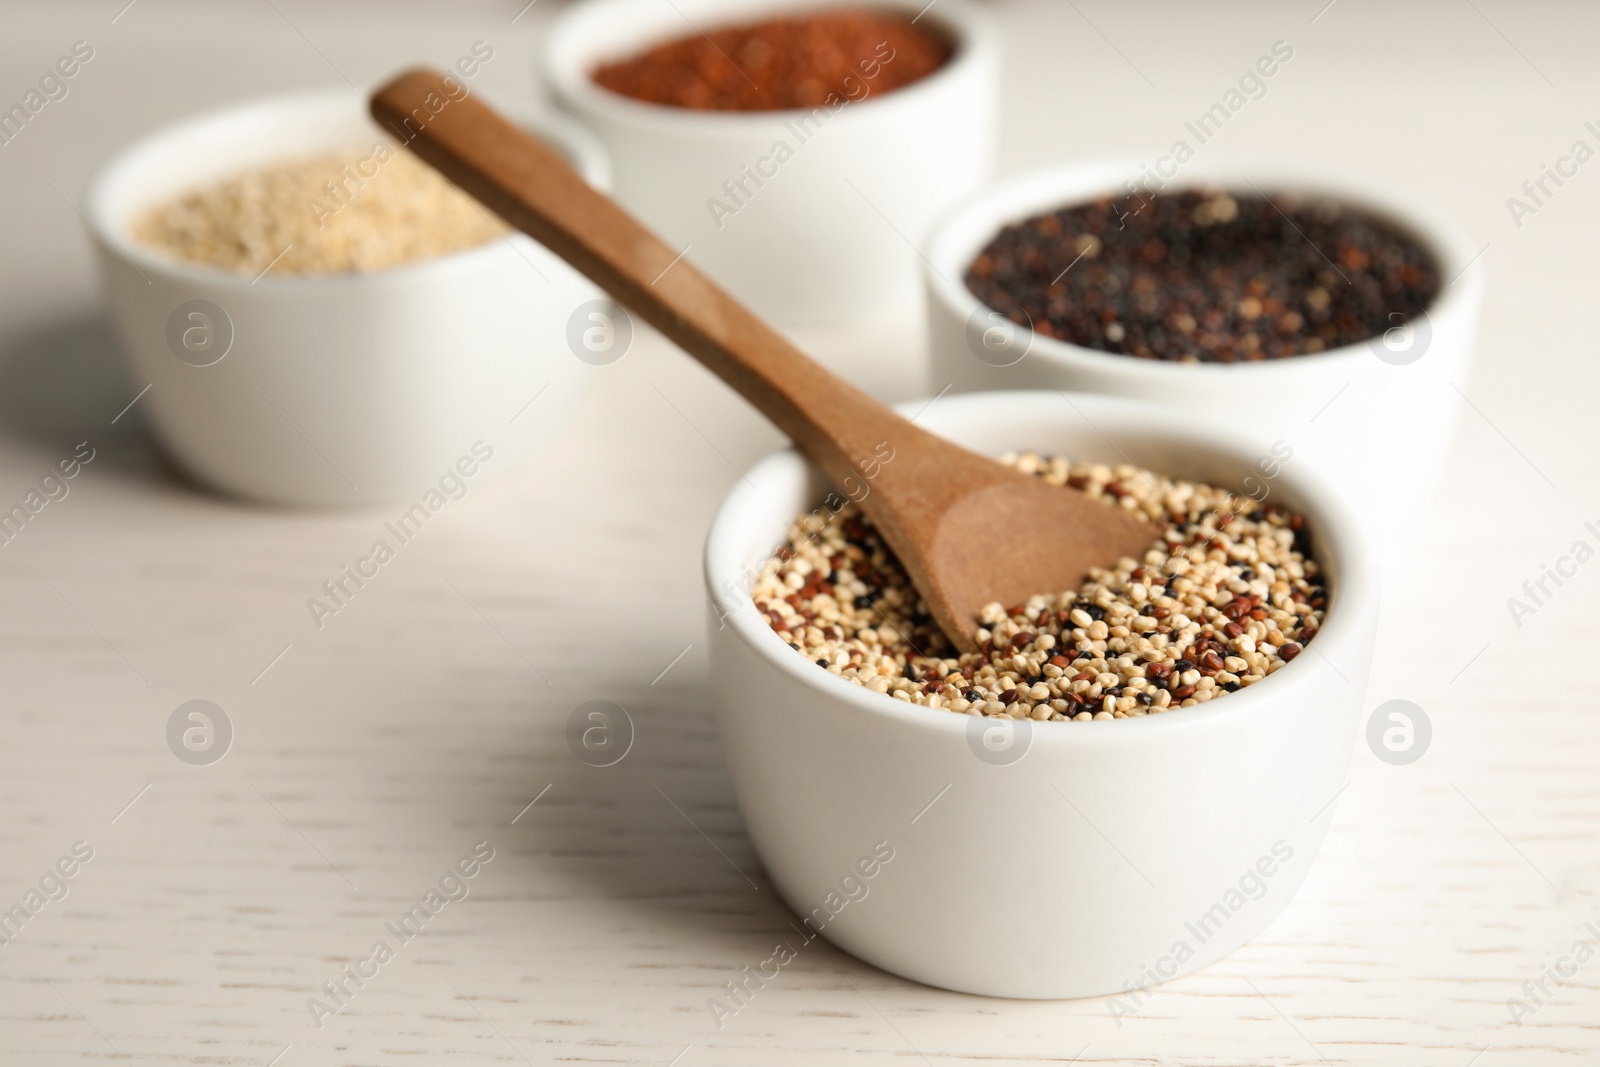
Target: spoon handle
(535, 190)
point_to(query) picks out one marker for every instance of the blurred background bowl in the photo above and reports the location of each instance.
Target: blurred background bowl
(834, 232)
(1374, 418)
(333, 389)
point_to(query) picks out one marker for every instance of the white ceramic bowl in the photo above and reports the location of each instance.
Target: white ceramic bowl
(335, 389)
(804, 246)
(1073, 870)
(1377, 428)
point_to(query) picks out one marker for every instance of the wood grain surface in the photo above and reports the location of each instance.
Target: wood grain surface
(431, 714)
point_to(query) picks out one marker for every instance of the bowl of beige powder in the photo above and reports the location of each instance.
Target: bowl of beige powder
(321, 318)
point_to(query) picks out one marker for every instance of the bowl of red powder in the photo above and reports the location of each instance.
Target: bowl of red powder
(801, 150)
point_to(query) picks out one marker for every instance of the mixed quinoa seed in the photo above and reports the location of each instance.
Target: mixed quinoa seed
(1227, 593)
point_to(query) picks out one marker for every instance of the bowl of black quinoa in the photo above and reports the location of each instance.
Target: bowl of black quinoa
(1330, 314)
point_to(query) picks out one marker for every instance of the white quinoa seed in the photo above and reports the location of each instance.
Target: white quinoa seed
(387, 208)
(1225, 595)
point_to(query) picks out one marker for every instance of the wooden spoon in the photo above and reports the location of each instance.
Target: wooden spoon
(968, 530)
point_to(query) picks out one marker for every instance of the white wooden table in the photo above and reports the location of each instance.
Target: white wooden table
(372, 754)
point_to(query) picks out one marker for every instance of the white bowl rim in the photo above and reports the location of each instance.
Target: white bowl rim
(572, 138)
(951, 247)
(566, 68)
(1354, 593)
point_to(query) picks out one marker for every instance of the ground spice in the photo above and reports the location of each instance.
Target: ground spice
(1206, 276)
(1227, 594)
(364, 210)
(781, 64)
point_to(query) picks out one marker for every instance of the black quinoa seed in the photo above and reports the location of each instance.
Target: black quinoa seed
(1203, 276)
